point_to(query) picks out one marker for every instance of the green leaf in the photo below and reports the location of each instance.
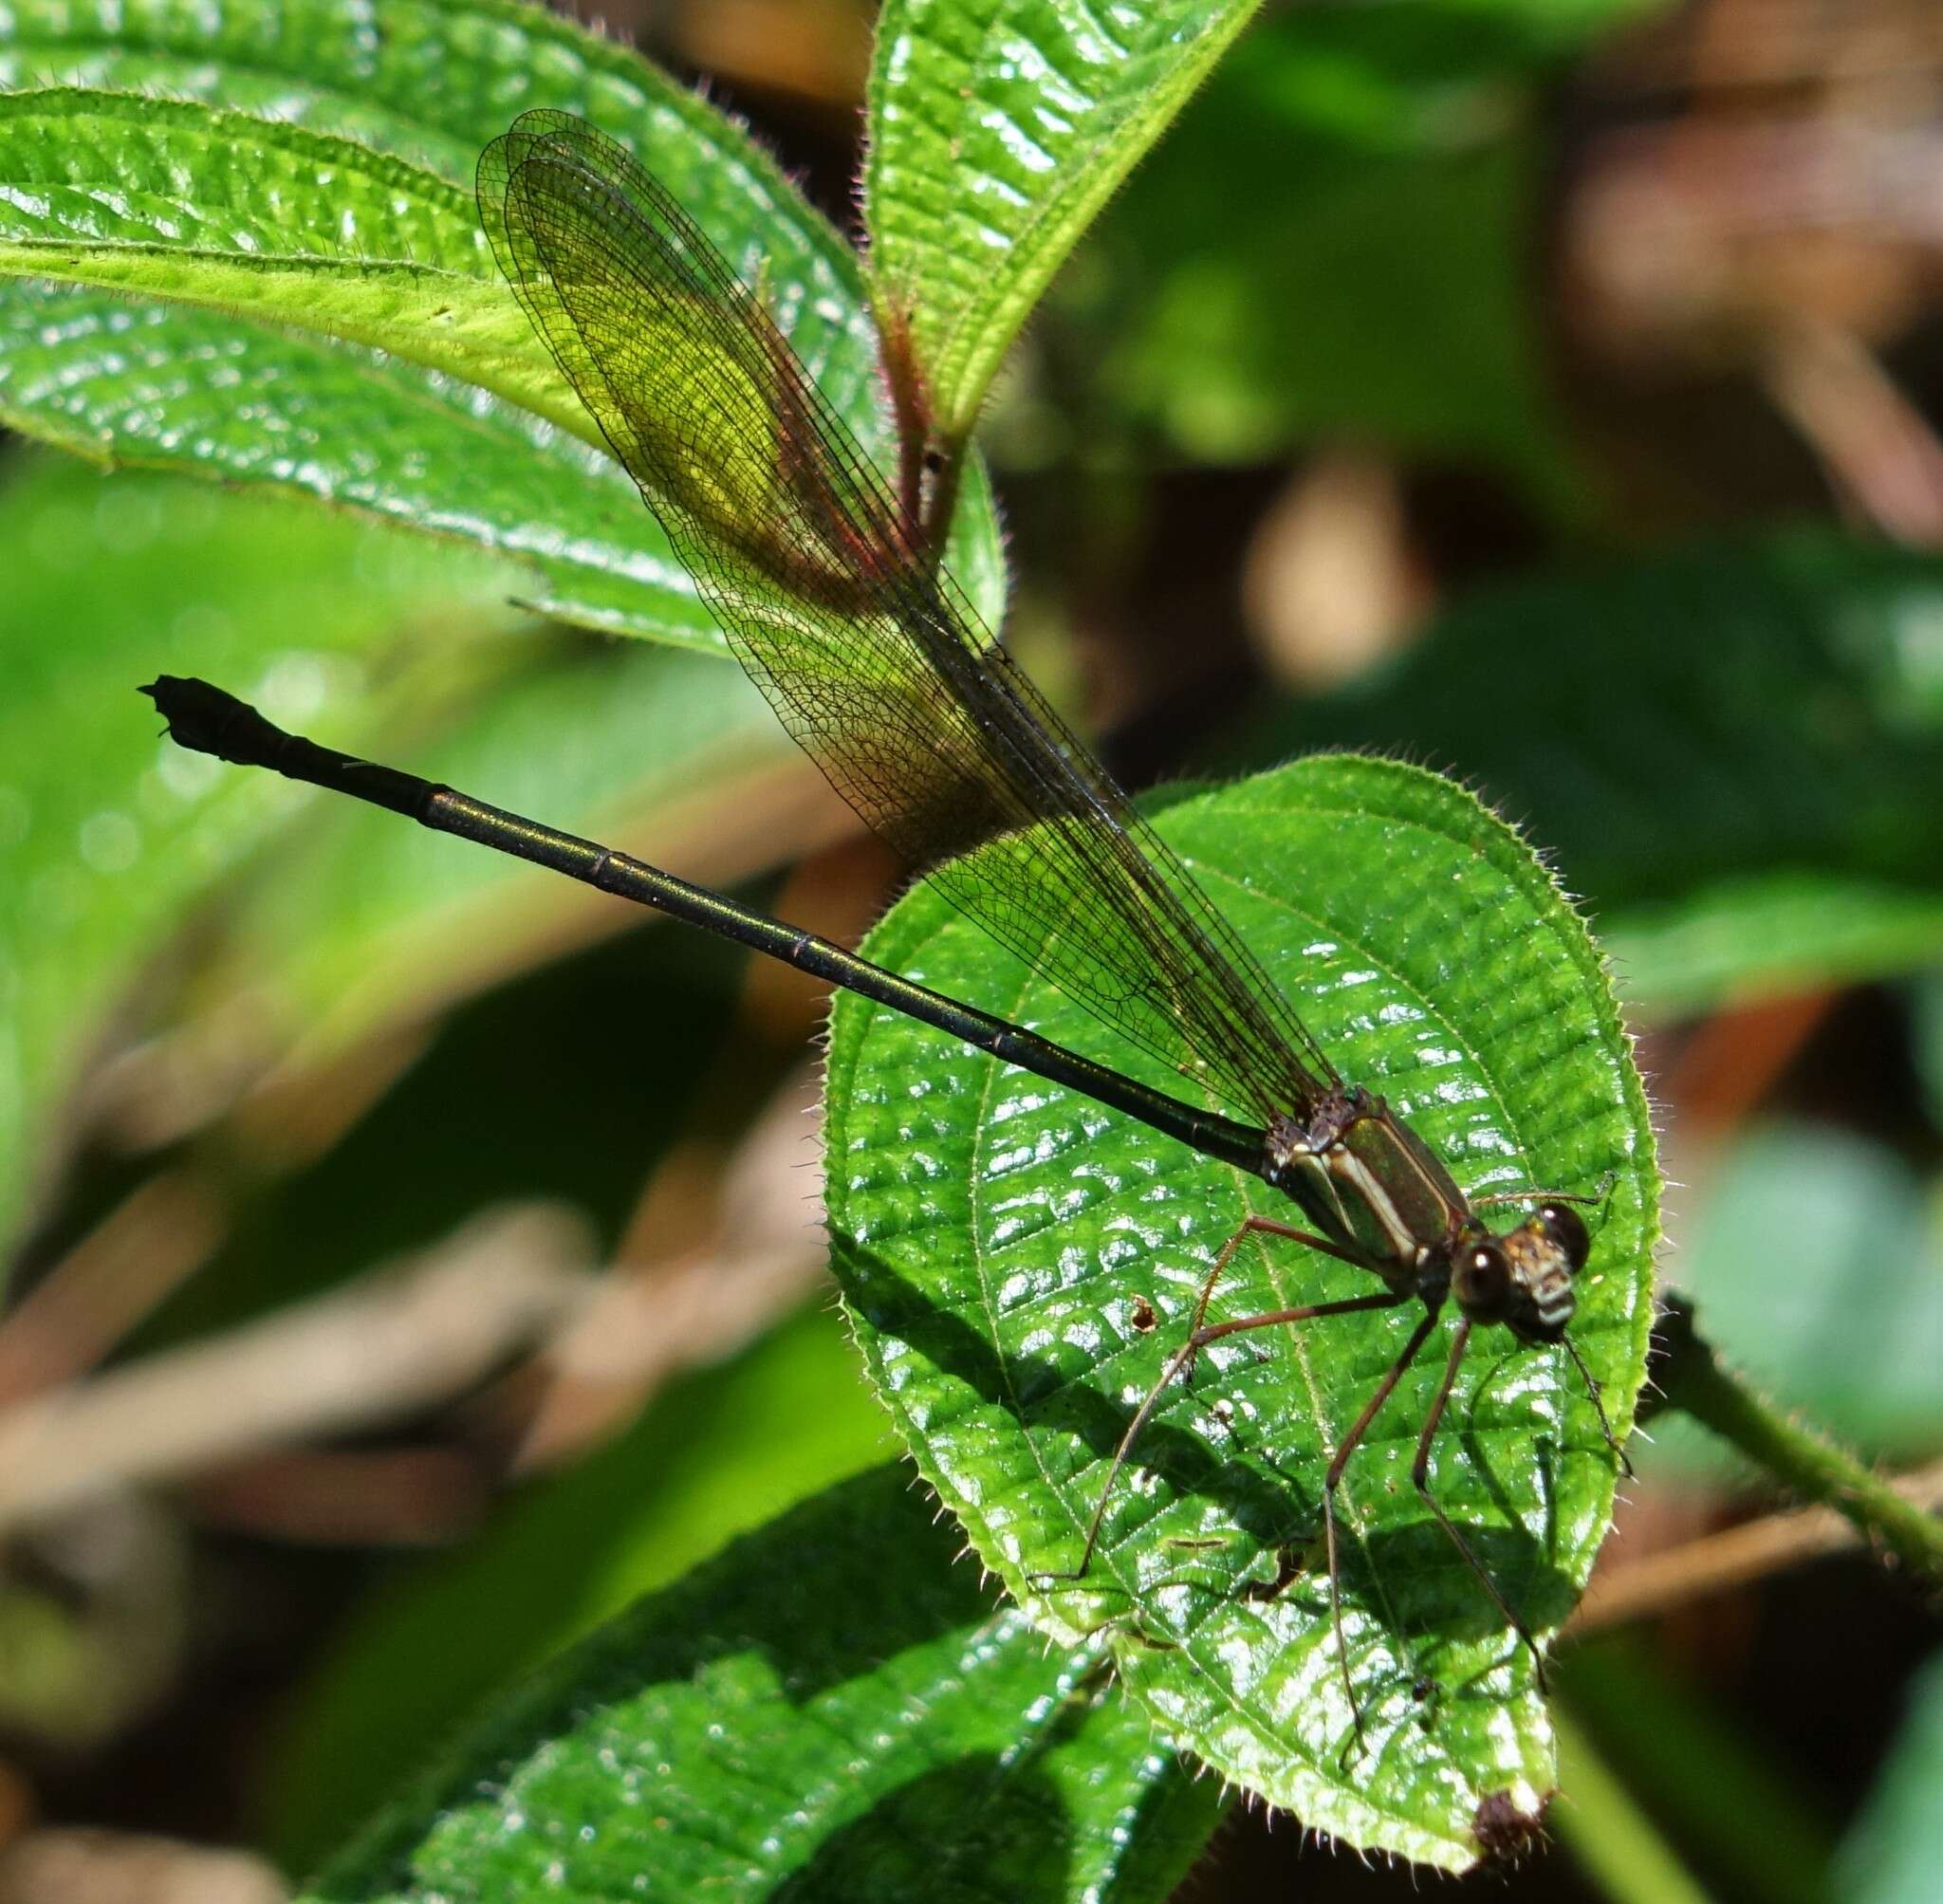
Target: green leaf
(449, 432)
(1926, 1009)
(265, 220)
(328, 921)
(430, 80)
(129, 382)
(829, 1710)
(475, 1115)
(1777, 933)
(1895, 1848)
(998, 128)
(717, 1453)
(1613, 1838)
(1339, 237)
(999, 1243)
(1720, 1790)
(105, 832)
(363, 922)
(1737, 749)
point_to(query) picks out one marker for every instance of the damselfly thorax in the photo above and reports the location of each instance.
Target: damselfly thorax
(1383, 1196)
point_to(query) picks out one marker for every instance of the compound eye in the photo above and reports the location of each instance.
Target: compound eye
(1481, 1280)
(1566, 1229)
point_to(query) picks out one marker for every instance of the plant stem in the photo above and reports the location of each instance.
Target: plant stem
(1807, 1462)
(1734, 1557)
(1707, 1784)
(1618, 1846)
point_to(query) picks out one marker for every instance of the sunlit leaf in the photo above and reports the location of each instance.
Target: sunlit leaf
(1001, 1243)
(336, 198)
(997, 131)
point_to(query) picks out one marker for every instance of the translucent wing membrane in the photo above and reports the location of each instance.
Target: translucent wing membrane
(869, 653)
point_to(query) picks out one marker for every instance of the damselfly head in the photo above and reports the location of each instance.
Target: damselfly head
(1524, 1277)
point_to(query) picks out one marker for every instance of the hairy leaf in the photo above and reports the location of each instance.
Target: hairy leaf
(336, 200)
(828, 1710)
(998, 128)
(1020, 1265)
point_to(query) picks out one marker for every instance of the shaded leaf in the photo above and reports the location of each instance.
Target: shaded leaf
(354, 920)
(714, 1456)
(829, 1710)
(105, 832)
(465, 1114)
(363, 920)
(1926, 1007)
(1815, 1258)
(999, 1243)
(1742, 1821)
(1339, 237)
(1611, 1836)
(1737, 749)
(1894, 1850)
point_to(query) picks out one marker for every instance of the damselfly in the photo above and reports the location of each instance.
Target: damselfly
(833, 597)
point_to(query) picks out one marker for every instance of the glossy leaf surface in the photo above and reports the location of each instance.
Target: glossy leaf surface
(335, 197)
(998, 128)
(1019, 1264)
(162, 386)
(828, 1710)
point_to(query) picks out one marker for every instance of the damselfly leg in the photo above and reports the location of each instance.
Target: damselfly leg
(1200, 1333)
(1180, 1364)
